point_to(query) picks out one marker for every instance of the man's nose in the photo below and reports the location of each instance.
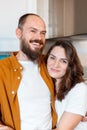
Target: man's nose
(38, 35)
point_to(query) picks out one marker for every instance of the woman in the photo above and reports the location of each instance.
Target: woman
(65, 68)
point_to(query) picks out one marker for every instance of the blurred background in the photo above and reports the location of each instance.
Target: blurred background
(65, 19)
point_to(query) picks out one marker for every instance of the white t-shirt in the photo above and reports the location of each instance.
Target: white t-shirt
(34, 99)
(74, 102)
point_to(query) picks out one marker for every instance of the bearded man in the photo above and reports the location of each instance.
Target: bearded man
(26, 90)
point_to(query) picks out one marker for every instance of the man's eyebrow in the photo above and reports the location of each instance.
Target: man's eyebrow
(37, 29)
(33, 28)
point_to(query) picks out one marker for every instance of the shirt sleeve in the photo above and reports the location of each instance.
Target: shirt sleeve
(77, 100)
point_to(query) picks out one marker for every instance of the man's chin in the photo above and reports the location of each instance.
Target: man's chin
(36, 49)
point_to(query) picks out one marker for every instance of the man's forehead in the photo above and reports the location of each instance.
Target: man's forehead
(35, 22)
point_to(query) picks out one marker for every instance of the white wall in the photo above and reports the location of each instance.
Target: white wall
(9, 45)
(10, 11)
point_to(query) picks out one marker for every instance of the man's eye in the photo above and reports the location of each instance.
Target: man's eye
(43, 33)
(33, 31)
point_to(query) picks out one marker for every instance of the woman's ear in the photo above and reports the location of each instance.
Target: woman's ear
(18, 33)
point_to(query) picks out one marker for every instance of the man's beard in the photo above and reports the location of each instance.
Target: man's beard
(32, 55)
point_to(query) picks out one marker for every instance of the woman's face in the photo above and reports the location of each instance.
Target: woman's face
(57, 63)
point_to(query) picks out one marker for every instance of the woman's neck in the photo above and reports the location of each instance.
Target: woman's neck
(57, 84)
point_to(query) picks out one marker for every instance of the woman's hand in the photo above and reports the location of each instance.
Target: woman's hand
(85, 118)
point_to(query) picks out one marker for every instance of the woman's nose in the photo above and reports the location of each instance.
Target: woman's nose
(57, 64)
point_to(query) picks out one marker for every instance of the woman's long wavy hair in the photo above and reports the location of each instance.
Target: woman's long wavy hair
(74, 72)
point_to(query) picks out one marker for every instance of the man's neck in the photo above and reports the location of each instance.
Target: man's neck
(21, 56)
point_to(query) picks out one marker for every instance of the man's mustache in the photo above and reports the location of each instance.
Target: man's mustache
(37, 41)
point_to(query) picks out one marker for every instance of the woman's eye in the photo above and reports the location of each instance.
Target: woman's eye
(64, 61)
(51, 57)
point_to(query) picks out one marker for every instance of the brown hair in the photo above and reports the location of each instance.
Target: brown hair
(23, 18)
(74, 72)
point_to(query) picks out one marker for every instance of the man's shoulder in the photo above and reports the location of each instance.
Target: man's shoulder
(7, 62)
(4, 63)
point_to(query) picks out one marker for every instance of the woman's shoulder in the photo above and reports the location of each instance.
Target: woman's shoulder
(80, 86)
(77, 99)
(79, 90)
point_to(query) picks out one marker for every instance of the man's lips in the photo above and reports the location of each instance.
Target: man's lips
(36, 45)
(36, 42)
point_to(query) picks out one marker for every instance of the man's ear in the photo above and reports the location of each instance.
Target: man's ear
(18, 33)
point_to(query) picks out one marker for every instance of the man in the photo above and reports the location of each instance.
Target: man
(26, 90)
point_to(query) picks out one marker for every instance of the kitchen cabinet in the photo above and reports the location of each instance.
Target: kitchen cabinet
(52, 13)
(66, 18)
(58, 15)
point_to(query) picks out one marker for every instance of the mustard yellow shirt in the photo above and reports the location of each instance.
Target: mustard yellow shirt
(10, 77)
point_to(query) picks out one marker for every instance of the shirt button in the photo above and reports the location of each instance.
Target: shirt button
(15, 69)
(18, 77)
(21, 68)
(13, 92)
